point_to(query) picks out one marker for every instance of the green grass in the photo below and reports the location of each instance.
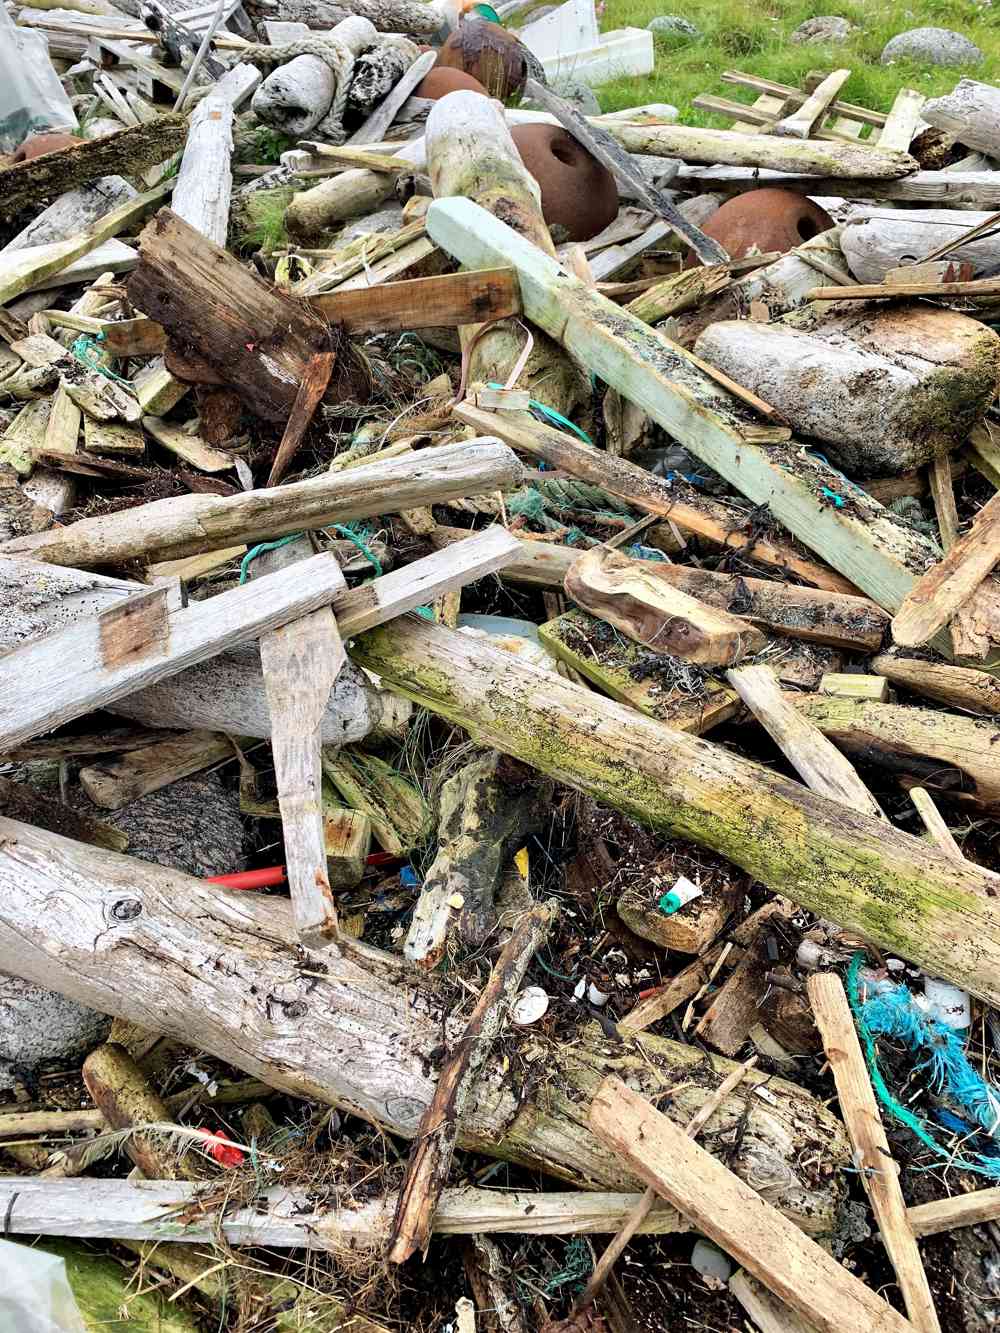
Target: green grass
(753, 38)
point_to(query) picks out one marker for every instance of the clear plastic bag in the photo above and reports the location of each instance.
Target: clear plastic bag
(35, 1295)
(31, 97)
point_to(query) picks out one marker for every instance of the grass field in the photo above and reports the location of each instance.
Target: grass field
(753, 37)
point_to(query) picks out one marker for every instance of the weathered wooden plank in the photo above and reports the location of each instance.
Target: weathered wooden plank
(448, 299)
(93, 663)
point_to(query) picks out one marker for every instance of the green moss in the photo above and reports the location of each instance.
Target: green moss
(107, 1303)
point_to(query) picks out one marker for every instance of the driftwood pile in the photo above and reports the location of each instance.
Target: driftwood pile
(475, 680)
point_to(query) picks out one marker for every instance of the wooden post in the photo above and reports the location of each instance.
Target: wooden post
(970, 112)
(872, 1155)
(204, 182)
(864, 874)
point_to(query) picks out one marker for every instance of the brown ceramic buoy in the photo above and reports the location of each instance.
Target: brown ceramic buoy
(489, 53)
(766, 219)
(443, 80)
(577, 192)
(37, 144)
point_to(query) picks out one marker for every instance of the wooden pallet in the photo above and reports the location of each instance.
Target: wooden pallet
(842, 120)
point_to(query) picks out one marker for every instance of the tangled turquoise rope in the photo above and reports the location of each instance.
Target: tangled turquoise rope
(894, 1014)
(359, 540)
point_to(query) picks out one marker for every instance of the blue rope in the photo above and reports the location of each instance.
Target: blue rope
(83, 349)
(894, 1014)
(550, 414)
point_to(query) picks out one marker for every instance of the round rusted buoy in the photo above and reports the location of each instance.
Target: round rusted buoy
(491, 54)
(443, 80)
(767, 220)
(578, 193)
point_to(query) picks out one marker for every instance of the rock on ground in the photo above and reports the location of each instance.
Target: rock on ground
(824, 28)
(673, 29)
(193, 825)
(932, 46)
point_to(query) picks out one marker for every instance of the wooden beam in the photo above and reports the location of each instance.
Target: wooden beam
(872, 1154)
(988, 288)
(860, 540)
(800, 123)
(449, 299)
(947, 586)
(95, 662)
(964, 1210)
(205, 179)
(954, 189)
(738, 1219)
(130, 151)
(116, 782)
(811, 849)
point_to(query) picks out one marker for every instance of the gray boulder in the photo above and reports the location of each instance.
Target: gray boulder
(932, 46)
(825, 28)
(673, 29)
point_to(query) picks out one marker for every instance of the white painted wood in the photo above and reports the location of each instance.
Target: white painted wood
(94, 663)
(204, 182)
(284, 1219)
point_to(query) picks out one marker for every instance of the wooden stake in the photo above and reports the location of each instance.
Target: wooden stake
(872, 1155)
(801, 122)
(729, 1212)
(434, 1146)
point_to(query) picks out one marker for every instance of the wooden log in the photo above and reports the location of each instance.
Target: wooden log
(644, 491)
(822, 767)
(258, 339)
(433, 1148)
(376, 72)
(287, 1219)
(959, 687)
(945, 588)
(838, 863)
(872, 1154)
(970, 112)
(731, 148)
(94, 663)
(832, 378)
(130, 151)
(974, 189)
(831, 618)
(116, 782)
(422, 303)
(296, 96)
(800, 123)
(189, 525)
(865, 544)
(73, 212)
(470, 153)
(204, 182)
(335, 1036)
(375, 125)
(938, 750)
(630, 595)
(729, 1212)
(386, 15)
